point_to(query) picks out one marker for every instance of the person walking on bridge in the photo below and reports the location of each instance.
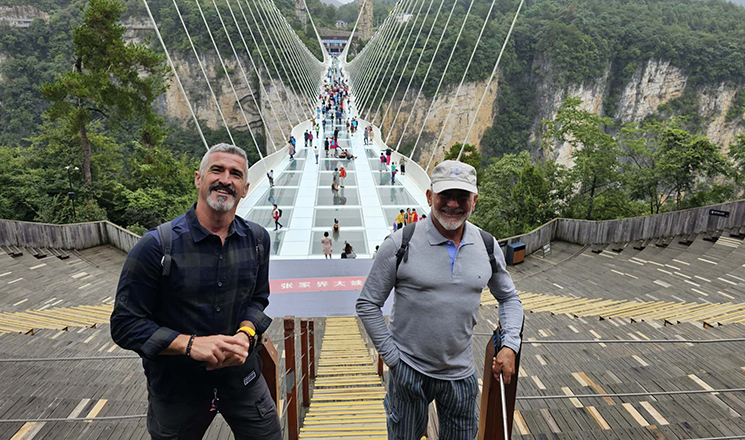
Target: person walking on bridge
(428, 342)
(191, 300)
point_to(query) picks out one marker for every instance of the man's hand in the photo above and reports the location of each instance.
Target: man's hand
(219, 351)
(504, 362)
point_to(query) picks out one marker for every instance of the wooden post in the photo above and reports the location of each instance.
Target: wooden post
(304, 361)
(290, 378)
(380, 365)
(270, 370)
(490, 417)
(312, 328)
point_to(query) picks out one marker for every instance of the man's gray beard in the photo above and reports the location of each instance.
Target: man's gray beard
(217, 205)
(450, 225)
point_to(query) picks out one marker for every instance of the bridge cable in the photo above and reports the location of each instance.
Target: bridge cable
(400, 55)
(491, 78)
(390, 56)
(304, 57)
(287, 50)
(460, 85)
(343, 57)
(377, 64)
(245, 77)
(287, 34)
(366, 62)
(258, 76)
(175, 73)
(271, 59)
(408, 58)
(444, 71)
(291, 76)
(426, 75)
(204, 73)
(367, 56)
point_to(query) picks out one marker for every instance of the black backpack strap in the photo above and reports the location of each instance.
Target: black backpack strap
(403, 251)
(489, 243)
(258, 233)
(165, 233)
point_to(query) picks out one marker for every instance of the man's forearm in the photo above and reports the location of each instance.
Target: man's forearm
(374, 322)
(177, 346)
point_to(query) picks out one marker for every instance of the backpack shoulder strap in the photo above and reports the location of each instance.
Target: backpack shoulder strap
(403, 251)
(489, 243)
(165, 233)
(258, 233)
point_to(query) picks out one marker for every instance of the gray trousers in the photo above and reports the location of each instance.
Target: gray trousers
(407, 405)
(252, 416)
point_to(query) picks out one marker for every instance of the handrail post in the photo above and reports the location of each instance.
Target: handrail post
(304, 361)
(312, 328)
(490, 417)
(270, 369)
(291, 402)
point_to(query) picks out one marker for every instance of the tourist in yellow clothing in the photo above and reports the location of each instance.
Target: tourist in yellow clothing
(400, 218)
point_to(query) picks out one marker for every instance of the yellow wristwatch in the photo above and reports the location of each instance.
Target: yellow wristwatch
(251, 333)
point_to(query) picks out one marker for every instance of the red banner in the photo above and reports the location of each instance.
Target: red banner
(294, 285)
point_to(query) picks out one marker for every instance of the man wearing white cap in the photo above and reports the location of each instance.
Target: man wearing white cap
(428, 342)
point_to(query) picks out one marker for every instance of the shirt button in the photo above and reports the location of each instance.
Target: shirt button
(219, 284)
(221, 257)
(217, 309)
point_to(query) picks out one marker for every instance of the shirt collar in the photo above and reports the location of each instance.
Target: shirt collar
(435, 238)
(199, 232)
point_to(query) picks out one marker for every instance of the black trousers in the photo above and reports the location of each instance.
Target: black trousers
(253, 416)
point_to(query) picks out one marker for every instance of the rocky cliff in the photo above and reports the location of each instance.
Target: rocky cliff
(652, 84)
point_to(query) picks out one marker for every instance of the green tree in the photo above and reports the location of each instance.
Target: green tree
(110, 80)
(685, 159)
(517, 194)
(471, 156)
(595, 153)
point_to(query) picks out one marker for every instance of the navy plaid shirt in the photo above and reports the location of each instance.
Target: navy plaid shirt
(211, 288)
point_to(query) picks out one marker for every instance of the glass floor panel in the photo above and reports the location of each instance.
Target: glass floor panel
(345, 196)
(396, 196)
(376, 166)
(330, 164)
(279, 196)
(324, 218)
(263, 216)
(277, 238)
(356, 238)
(324, 179)
(296, 165)
(391, 213)
(288, 179)
(372, 154)
(301, 153)
(384, 179)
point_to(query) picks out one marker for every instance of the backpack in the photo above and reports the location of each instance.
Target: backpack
(403, 252)
(280, 212)
(165, 233)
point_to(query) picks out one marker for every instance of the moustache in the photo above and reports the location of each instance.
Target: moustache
(228, 188)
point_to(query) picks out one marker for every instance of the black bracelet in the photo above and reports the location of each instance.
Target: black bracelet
(189, 344)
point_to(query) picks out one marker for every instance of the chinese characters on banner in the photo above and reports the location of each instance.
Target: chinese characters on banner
(293, 285)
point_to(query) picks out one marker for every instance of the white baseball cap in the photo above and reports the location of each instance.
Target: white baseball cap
(453, 174)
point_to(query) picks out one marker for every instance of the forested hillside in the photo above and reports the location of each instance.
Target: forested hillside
(659, 125)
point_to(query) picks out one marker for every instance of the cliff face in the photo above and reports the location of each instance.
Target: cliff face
(173, 105)
(653, 84)
(461, 117)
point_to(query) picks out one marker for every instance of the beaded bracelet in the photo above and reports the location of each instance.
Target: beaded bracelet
(188, 346)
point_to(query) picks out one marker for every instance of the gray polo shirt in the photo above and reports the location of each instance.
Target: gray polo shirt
(434, 309)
